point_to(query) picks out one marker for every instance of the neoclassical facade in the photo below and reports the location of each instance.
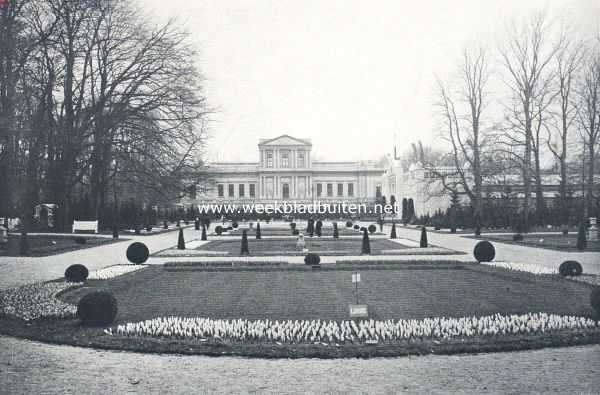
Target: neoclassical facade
(286, 172)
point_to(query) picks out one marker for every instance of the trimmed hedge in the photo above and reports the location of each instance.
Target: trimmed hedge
(137, 253)
(312, 259)
(80, 240)
(76, 273)
(97, 308)
(518, 237)
(484, 251)
(570, 268)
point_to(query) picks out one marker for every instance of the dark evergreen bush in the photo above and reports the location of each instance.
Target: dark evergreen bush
(76, 273)
(312, 259)
(165, 225)
(318, 228)
(296, 232)
(148, 228)
(348, 224)
(230, 228)
(356, 227)
(98, 308)
(258, 233)
(423, 243)
(137, 253)
(80, 240)
(234, 225)
(517, 237)
(363, 229)
(484, 251)
(244, 250)
(180, 241)
(197, 224)
(24, 243)
(336, 233)
(372, 228)
(366, 244)
(595, 299)
(293, 225)
(570, 268)
(393, 234)
(115, 233)
(203, 237)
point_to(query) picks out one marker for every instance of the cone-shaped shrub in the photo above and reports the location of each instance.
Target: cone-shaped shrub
(76, 273)
(181, 241)
(24, 244)
(310, 227)
(424, 243)
(97, 308)
(312, 259)
(478, 231)
(366, 244)
(336, 233)
(197, 224)
(393, 234)
(244, 250)
(137, 253)
(203, 237)
(581, 237)
(258, 234)
(178, 223)
(165, 225)
(318, 228)
(115, 233)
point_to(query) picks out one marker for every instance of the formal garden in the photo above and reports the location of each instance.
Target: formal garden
(276, 307)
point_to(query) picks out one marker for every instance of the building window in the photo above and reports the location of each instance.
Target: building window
(269, 158)
(319, 190)
(340, 189)
(220, 190)
(241, 190)
(285, 159)
(231, 190)
(286, 191)
(350, 189)
(252, 190)
(301, 159)
(329, 189)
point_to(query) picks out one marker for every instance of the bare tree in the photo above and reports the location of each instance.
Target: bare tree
(589, 118)
(461, 109)
(568, 61)
(526, 56)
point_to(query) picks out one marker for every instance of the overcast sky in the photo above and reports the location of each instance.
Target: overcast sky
(347, 74)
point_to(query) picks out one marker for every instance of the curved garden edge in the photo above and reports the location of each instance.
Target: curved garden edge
(52, 331)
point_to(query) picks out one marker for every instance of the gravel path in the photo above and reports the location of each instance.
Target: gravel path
(30, 367)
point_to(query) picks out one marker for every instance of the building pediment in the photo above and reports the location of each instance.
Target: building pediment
(284, 140)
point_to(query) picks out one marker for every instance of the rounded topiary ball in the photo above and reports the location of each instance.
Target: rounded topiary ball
(356, 227)
(595, 299)
(295, 232)
(234, 225)
(348, 224)
(570, 268)
(219, 229)
(97, 308)
(312, 259)
(372, 228)
(137, 253)
(76, 273)
(484, 251)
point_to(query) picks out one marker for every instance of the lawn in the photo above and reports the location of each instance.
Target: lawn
(408, 291)
(287, 246)
(551, 241)
(46, 245)
(283, 231)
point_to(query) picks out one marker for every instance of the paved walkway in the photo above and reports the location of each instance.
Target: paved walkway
(31, 368)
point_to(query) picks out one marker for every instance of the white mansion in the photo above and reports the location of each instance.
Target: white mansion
(286, 172)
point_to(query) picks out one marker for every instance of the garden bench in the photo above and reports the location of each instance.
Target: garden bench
(85, 226)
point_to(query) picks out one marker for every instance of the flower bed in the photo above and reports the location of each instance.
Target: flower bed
(522, 267)
(363, 332)
(37, 301)
(113, 271)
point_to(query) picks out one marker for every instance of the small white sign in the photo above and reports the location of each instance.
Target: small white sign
(355, 278)
(358, 311)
